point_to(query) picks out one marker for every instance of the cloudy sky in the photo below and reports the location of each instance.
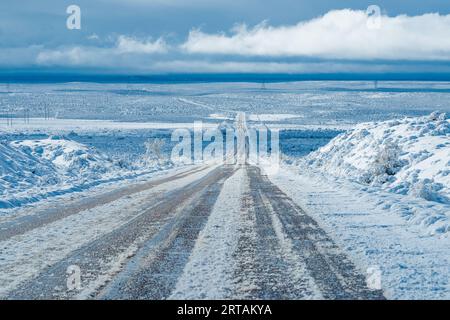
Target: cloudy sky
(177, 36)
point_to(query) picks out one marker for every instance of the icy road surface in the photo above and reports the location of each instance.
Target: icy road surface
(208, 232)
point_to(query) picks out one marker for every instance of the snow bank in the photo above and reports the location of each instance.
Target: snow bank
(65, 156)
(31, 170)
(409, 156)
(19, 169)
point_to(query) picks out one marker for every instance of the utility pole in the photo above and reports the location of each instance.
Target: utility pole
(26, 115)
(9, 117)
(46, 113)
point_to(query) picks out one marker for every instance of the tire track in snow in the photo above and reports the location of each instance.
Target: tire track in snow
(102, 257)
(208, 273)
(154, 271)
(266, 268)
(332, 271)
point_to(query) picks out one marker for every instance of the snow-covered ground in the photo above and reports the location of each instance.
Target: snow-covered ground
(312, 103)
(380, 188)
(65, 126)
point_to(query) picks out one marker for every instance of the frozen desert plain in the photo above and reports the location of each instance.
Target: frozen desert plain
(364, 182)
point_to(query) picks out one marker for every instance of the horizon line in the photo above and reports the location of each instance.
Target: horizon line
(65, 76)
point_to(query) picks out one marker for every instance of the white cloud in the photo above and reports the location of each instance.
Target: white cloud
(341, 34)
(99, 56)
(202, 66)
(132, 45)
(199, 66)
(70, 56)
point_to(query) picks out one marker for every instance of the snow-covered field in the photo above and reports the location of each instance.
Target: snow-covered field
(312, 103)
(371, 165)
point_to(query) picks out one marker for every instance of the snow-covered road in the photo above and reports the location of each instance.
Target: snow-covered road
(210, 232)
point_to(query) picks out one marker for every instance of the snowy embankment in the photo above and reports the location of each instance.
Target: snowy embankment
(31, 170)
(382, 191)
(404, 163)
(409, 156)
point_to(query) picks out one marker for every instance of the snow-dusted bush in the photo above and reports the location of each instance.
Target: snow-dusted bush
(386, 163)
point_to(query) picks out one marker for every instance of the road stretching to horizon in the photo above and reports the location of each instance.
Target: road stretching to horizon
(208, 231)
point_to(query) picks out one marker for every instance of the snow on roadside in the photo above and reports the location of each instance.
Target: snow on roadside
(31, 170)
(413, 259)
(18, 169)
(409, 156)
(66, 156)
